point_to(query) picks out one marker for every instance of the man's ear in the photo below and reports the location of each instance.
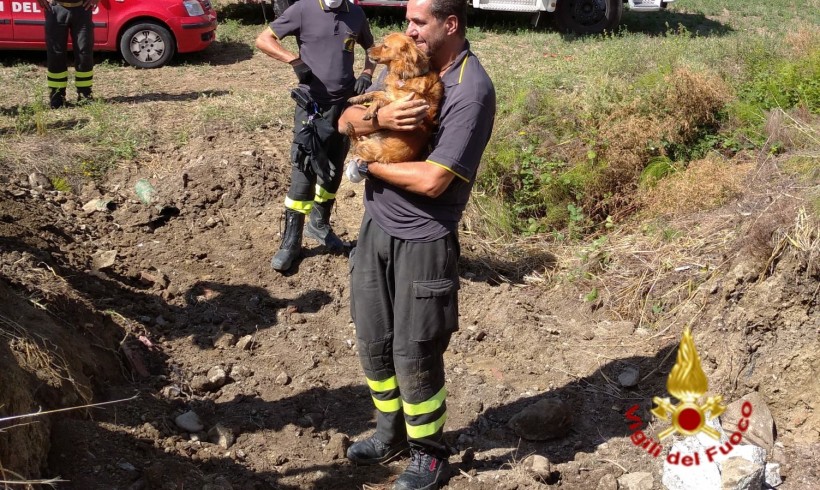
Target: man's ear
(451, 25)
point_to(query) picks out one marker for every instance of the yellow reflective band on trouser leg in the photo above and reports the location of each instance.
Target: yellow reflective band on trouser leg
(428, 406)
(390, 383)
(387, 406)
(303, 207)
(322, 195)
(425, 430)
(57, 80)
(383, 389)
(83, 78)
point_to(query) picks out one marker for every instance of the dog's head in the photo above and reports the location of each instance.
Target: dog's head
(400, 54)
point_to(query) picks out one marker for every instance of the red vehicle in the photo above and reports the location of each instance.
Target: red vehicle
(146, 32)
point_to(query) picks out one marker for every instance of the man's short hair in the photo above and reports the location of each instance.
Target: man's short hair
(441, 9)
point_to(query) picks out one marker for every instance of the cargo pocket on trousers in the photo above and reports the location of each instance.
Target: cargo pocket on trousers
(434, 310)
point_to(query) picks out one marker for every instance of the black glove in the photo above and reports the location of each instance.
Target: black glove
(363, 83)
(303, 72)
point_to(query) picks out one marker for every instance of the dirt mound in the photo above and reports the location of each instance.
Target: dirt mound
(156, 281)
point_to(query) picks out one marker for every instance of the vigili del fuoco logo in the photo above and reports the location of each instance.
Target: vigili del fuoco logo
(687, 383)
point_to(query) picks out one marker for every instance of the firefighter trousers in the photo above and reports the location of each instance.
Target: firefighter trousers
(305, 186)
(404, 303)
(59, 21)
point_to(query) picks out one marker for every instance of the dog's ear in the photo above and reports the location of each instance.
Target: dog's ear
(412, 62)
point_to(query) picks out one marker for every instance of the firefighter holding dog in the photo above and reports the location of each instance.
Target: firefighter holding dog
(404, 271)
(63, 17)
(326, 32)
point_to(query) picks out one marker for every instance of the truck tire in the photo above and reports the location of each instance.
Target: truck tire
(147, 45)
(588, 16)
(280, 6)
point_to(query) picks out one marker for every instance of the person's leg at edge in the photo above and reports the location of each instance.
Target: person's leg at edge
(370, 307)
(298, 203)
(82, 36)
(426, 315)
(57, 62)
(318, 227)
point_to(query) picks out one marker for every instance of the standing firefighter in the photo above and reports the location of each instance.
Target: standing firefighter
(404, 272)
(327, 32)
(62, 17)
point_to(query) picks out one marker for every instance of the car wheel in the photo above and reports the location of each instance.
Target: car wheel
(147, 45)
(588, 16)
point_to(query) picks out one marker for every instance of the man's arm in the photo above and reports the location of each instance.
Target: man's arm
(401, 115)
(268, 43)
(423, 178)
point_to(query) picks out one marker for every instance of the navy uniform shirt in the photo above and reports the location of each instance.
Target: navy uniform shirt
(326, 38)
(465, 123)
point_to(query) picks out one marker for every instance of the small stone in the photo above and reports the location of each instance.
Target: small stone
(217, 377)
(538, 466)
(154, 278)
(607, 482)
(741, 474)
(546, 419)
(189, 422)
(480, 336)
(282, 379)
(103, 260)
(221, 436)
(225, 341)
(636, 481)
(773, 478)
(464, 441)
(38, 179)
(126, 466)
(761, 423)
(245, 343)
(336, 447)
(629, 377)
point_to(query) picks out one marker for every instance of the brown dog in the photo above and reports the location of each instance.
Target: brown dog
(408, 72)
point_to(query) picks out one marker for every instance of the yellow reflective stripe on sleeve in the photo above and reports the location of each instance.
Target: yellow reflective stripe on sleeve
(390, 383)
(428, 406)
(62, 74)
(274, 33)
(426, 430)
(445, 167)
(83, 83)
(322, 195)
(463, 64)
(387, 406)
(84, 74)
(303, 207)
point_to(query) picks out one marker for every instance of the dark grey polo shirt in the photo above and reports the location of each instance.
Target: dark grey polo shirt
(326, 39)
(466, 121)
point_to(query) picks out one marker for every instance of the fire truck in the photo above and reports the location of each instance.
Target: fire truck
(146, 32)
(578, 16)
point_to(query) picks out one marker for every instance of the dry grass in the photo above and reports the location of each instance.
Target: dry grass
(704, 184)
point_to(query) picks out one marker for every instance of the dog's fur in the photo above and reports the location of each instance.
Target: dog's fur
(408, 72)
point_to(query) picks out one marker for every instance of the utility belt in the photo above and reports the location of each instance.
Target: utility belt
(67, 4)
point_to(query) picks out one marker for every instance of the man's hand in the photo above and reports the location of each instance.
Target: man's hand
(403, 114)
(45, 5)
(90, 4)
(363, 83)
(303, 72)
(356, 171)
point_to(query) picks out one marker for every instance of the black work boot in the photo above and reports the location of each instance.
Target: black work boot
(291, 246)
(319, 229)
(56, 98)
(374, 451)
(425, 472)
(84, 95)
